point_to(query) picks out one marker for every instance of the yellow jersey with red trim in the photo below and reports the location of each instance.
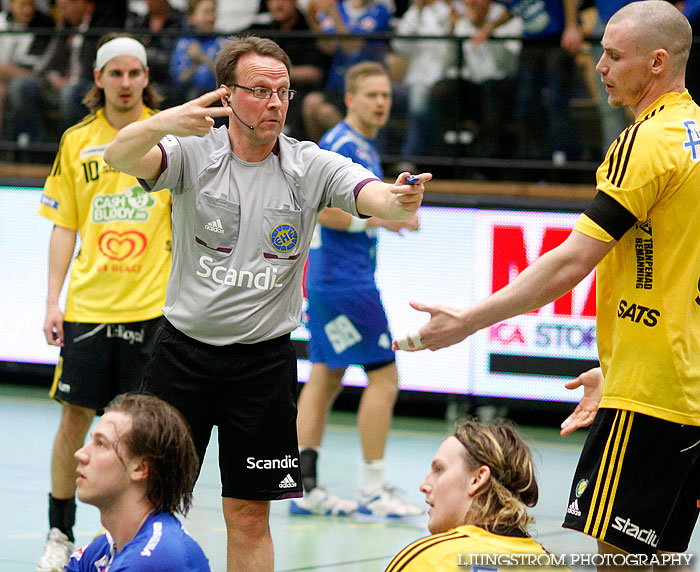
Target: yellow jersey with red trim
(648, 286)
(122, 267)
(474, 547)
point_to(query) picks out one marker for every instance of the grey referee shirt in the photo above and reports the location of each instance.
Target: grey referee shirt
(241, 232)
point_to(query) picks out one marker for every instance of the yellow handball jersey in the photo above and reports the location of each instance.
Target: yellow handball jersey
(469, 548)
(648, 286)
(122, 268)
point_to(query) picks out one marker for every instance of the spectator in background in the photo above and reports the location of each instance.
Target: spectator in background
(346, 317)
(110, 14)
(343, 17)
(613, 120)
(553, 36)
(59, 80)
(479, 96)
(157, 30)
(691, 10)
(21, 51)
(192, 66)
(309, 64)
(236, 15)
(425, 65)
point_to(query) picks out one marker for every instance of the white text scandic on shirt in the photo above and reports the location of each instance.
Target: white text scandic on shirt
(222, 274)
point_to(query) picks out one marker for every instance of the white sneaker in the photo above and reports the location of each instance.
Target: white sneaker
(57, 552)
(320, 501)
(386, 502)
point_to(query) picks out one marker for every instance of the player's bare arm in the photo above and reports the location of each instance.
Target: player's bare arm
(134, 150)
(397, 201)
(548, 278)
(338, 219)
(61, 247)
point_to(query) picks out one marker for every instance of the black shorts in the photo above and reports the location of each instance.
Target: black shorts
(249, 392)
(100, 361)
(637, 484)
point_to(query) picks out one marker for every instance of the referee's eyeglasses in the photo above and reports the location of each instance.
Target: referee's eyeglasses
(266, 93)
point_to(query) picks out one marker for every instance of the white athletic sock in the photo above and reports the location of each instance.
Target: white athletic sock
(374, 475)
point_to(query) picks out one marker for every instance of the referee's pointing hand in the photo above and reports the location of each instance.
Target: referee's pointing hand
(196, 116)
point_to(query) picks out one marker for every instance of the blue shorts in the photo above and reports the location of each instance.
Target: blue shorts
(348, 327)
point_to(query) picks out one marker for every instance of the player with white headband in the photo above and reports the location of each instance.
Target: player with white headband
(120, 46)
(117, 284)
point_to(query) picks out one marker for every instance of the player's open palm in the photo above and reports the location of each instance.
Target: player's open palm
(446, 327)
(584, 414)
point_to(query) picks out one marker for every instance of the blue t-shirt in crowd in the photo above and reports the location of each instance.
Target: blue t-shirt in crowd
(374, 17)
(541, 18)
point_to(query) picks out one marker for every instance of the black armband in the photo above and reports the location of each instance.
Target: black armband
(610, 215)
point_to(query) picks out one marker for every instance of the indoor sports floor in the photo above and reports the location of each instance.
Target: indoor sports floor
(28, 421)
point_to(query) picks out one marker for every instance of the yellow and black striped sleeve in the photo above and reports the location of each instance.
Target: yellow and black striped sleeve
(406, 560)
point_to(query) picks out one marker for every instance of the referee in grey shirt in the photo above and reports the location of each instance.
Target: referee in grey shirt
(245, 202)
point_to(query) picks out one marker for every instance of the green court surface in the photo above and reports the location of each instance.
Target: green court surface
(28, 422)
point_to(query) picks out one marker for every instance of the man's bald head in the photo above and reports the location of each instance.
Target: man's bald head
(657, 24)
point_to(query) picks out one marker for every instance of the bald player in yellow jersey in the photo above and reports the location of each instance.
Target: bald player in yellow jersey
(118, 280)
(642, 231)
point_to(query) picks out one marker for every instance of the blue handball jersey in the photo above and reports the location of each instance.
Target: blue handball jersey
(340, 259)
(161, 545)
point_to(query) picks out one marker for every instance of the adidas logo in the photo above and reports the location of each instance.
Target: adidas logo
(287, 482)
(215, 226)
(573, 508)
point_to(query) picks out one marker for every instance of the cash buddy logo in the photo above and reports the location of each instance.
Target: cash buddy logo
(131, 205)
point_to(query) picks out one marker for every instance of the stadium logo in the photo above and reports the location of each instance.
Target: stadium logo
(505, 334)
(284, 238)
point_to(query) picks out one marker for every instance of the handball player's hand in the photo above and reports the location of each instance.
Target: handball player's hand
(194, 117)
(446, 327)
(396, 226)
(584, 414)
(410, 195)
(53, 326)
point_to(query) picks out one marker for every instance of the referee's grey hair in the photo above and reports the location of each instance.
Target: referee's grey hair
(236, 47)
